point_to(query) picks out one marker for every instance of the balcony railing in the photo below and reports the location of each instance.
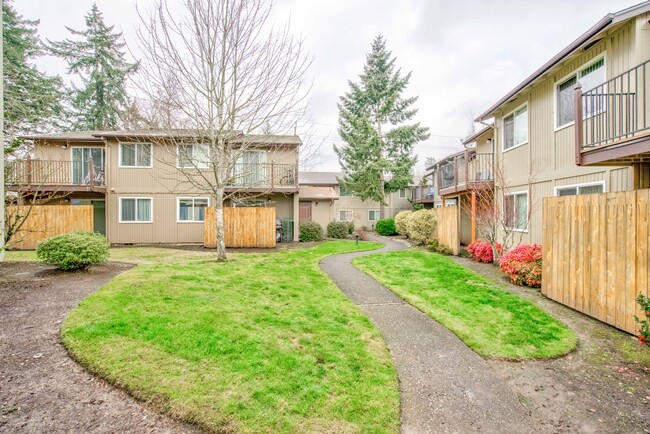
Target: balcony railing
(465, 171)
(264, 175)
(46, 174)
(422, 194)
(614, 111)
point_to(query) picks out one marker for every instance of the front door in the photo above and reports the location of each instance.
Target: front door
(305, 211)
(99, 216)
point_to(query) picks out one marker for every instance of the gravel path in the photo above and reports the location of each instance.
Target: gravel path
(445, 387)
(41, 388)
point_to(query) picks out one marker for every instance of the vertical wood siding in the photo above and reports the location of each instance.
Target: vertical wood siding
(46, 221)
(448, 227)
(244, 227)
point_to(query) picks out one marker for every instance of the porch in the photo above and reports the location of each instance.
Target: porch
(264, 177)
(46, 176)
(465, 171)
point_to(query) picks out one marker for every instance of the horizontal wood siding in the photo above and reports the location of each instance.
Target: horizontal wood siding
(596, 253)
(46, 221)
(244, 227)
(448, 227)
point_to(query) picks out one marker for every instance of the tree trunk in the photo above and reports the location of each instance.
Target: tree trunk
(382, 207)
(221, 236)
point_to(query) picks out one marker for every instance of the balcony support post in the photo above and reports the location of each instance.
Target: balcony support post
(473, 216)
(578, 123)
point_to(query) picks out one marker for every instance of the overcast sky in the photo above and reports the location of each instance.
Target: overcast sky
(464, 55)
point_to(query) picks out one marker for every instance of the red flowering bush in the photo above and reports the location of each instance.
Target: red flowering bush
(644, 324)
(481, 251)
(523, 265)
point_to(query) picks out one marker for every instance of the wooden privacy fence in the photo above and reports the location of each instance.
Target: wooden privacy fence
(244, 227)
(595, 251)
(45, 221)
(448, 227)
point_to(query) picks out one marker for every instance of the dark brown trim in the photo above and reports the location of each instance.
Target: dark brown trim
(623, 154)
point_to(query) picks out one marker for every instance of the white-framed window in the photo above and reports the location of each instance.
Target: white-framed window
(193, 156)
(250, 169)
(402, 193)
(135, 155)
(586, 188)
(136, 210)
(515, 128)
(191, 209)
(515, 210)
(346, 215)
(344, 192)
(589, 76)
(373, 215)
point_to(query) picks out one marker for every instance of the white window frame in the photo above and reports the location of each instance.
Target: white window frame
(178, 207)
(400, 193)
(136, 209)
(557, 189)
(514, 194)
(119, 155)
(347, 212)
(193, 166)
(376, 213)
(503, 128)
(575, 72)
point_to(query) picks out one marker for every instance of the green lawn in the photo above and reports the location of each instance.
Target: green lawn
(264, 343)
(493, 322)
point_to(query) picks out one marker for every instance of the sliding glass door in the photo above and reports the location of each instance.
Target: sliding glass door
(81, 167)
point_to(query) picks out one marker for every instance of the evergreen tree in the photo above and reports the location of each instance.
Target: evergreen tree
(377, 158)
(31, 98)
(99, 59)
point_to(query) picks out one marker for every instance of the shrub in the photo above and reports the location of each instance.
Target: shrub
(73, 251)
(481, 251)
(350, 228)
(644, 325)
(337, 230)
(363, 236)
(386, 227)
(310, 231)
(524, 265)
(420, 226)
(435, 246)
(418, 206)
(400, 222)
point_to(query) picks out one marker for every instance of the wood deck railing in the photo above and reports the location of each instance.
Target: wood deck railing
(33, 173)
(422, 194)
(264, 175)
(465, 171)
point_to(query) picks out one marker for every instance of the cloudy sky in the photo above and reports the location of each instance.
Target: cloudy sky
(464, 55)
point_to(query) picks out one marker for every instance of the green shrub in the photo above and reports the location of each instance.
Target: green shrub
(338, 230)
(350, 228)
(310, 231)
(400, 222)
(435, 246)
(386, 227)
(73, 251)
(420, 226)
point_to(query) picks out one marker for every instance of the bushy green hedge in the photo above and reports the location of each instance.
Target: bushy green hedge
(386, 227)
(350, 228)
(400, 222)
(310, 231)
(420, 226)
(339, 230)
(73, 251)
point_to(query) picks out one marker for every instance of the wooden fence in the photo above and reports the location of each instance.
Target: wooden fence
(244, 227)
(45, 221)
(596, 250)
(448, 227)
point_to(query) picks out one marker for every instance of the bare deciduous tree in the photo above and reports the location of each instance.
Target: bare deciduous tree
(229, 72)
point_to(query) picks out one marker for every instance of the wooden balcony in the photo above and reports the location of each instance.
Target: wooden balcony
(263, 177)
(423, 194)
(614, 126)
(35, 176)
(465, 171)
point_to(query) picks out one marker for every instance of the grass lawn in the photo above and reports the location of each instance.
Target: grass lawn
(493, 322)
(264, 343)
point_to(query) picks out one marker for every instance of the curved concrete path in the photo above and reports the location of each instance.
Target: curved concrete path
(444, 386)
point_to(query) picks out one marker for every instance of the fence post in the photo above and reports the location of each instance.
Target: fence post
(578, 123)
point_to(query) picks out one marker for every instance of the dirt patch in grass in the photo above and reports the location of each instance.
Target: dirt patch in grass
(601, 387)
(41, 388)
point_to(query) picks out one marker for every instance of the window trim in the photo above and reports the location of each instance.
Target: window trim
(375, 211)
(576, 186)
(405, 194)
(178, 208)
(346, 210)
(503, 128)
(136, 209)
(193, 167)
(119, 155)
(515, 193)
(602, 56)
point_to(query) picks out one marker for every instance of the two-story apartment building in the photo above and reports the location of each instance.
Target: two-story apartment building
(139, 185)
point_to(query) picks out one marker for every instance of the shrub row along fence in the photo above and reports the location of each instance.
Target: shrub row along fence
(595, 252)
(46, 221)
(244, 227)
(448, 227)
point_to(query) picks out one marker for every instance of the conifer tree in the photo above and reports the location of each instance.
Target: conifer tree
(377, 158)
(98, 57)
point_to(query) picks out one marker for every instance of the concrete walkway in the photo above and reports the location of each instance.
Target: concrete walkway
(445, 387)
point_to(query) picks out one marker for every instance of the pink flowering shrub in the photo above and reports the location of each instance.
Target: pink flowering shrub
(481, 251)
(523, 265)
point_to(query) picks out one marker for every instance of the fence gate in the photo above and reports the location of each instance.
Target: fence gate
(448, 227)
(244, 227)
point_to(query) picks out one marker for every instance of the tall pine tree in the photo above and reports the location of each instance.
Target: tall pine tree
(377, 158)
(31, 98)
(99, 59)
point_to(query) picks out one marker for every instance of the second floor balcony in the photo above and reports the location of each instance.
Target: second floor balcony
(465, 171)
(31, 175)
(263, 176)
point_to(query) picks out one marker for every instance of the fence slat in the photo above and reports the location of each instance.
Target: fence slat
(243, 227)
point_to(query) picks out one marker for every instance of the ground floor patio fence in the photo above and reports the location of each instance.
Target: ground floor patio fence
(595, 251)
(244, 227)
(448, 227)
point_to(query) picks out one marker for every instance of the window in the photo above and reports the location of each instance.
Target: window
(515, 208)
(572, 190)
(135, 154)
(345, 215)
(515, 128)
(192, 209)
(250, 168)
(589, 77)
(373, 215)
(344, 192)
(402, 193)
(194, 156)
(135, 210)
